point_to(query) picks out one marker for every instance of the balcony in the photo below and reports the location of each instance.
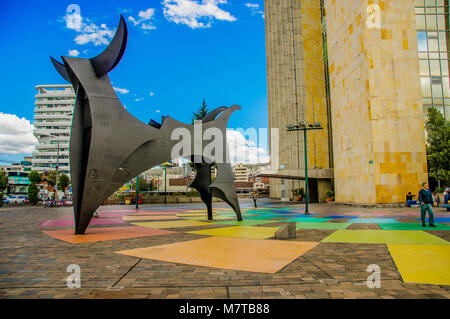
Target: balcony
(50, 161)
(52, 146)
(53, 124)
(53, 116)
(64, 152)
(47, 132)
(53, 109)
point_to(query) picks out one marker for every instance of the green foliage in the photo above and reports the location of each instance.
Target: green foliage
(33, 192)
(63, 182)
(144, 186)
(3, 185)
(3, 181)
(202, 112)
(51, 178)
(302, 192)
(297, 192)
(438, 146)
(34, 177)
(330, 194)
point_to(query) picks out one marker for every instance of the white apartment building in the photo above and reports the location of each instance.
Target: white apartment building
(52, 124)
(240, 173)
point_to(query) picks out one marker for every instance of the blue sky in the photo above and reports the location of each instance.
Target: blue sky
(178, 52)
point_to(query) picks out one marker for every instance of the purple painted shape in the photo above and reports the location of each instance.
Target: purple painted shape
(140, 210)
(70, 222)
(101, 215)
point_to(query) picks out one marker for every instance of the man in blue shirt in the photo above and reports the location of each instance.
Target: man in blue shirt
(426, 203)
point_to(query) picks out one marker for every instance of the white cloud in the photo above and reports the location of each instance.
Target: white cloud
(243, 150)
(157, 111)
(16, 134)
(254, 9)
(144, 19)
(151, 93)
(252, 5)
(194, 13)
(74, 53)
(88, 31)
(121, 91)
(139, 99)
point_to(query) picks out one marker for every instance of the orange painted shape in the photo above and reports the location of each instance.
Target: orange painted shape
(264, 256)
(105, 233)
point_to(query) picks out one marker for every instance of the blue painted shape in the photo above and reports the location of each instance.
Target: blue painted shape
(438, 219)
(374, 221)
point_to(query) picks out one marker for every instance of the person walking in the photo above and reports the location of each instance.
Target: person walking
(254, 197)
(426, 203)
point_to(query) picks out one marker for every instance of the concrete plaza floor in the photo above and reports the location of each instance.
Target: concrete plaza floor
(170, 251)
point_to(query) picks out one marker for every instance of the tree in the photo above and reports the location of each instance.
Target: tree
(51, 178)
(202, 112)
(63, 182)
(438, 146)
(3, 185)
(33, 192)
(34, 177)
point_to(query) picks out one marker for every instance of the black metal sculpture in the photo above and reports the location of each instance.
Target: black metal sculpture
(108, 146)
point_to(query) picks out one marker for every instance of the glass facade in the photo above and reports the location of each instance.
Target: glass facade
(433, 34)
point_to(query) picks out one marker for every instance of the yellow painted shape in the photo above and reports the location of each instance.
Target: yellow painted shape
(422, 264)
(140, 218)
(193, 214)
(250, 232)
(172, 224)
(372, 236)
(263, 256)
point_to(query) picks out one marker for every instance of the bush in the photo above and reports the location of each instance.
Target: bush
(330, 194)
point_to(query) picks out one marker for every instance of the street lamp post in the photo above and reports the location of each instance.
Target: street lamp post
(137, 192)
(165, 184)
(303, 126)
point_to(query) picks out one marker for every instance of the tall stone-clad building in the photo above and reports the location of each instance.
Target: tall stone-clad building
(357, 67)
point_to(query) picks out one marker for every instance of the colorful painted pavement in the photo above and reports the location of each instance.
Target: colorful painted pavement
(160, 240)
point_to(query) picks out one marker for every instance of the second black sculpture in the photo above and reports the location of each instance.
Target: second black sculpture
(108, 146)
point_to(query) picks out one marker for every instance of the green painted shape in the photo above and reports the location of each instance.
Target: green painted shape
(246, 222)
(384, 237)
(307, 219)
(254, 211)
(308, 225)
(413, 226)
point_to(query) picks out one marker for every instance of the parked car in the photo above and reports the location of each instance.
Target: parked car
(16, 199)
(5, 200)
